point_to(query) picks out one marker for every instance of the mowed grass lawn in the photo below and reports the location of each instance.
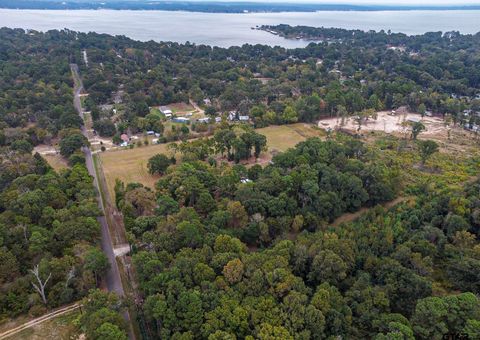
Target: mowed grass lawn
(283, 137)
(130, 165)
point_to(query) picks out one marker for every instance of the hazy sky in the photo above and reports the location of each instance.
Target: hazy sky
(368, 2)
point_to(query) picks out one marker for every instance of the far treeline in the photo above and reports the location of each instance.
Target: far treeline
(355, 72)
(212, 6)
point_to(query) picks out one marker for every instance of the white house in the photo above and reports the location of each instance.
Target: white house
(232, 115)
(165, 110)
(203, 120)
(180, 120)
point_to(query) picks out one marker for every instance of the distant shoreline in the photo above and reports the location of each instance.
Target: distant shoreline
(216, 7)
(233, 29)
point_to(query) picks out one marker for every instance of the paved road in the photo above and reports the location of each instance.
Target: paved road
(112, 277)
(114, 283)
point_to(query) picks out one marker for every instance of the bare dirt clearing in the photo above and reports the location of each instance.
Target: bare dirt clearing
(451, 138)
(387, 122)
(58, 324)
(44, 149)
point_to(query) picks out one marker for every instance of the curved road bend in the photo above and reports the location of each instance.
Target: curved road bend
(113, 280)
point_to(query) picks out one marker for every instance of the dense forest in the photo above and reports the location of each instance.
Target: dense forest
(223, 250)
(48, 234)
(221, 258)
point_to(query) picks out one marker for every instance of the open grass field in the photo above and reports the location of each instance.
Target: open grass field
(130, 165)
(283, 137)
(57, 162)
(155, 111)
(180, 107)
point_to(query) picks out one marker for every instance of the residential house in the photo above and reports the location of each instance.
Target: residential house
(203, 120)
(232, 115)
(165, 110)
(181, 120)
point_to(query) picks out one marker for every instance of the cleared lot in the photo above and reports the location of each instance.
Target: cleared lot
(282, 137)
(130, 165)
(387, 123)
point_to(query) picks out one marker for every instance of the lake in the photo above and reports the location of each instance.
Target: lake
(233, 29)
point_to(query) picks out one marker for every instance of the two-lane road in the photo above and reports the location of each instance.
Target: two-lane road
(113, 280)
(112, 277)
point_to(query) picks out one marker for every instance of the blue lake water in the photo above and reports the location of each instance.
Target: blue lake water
(234, 29)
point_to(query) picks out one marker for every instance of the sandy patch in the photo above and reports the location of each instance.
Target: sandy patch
(44, 149)
(387, 123)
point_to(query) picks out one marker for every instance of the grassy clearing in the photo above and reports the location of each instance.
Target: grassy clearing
(444, 169)
(61, 327)
(130, 165)
(283, 137)
(57, 162)
(155, 111)
(180, 107)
